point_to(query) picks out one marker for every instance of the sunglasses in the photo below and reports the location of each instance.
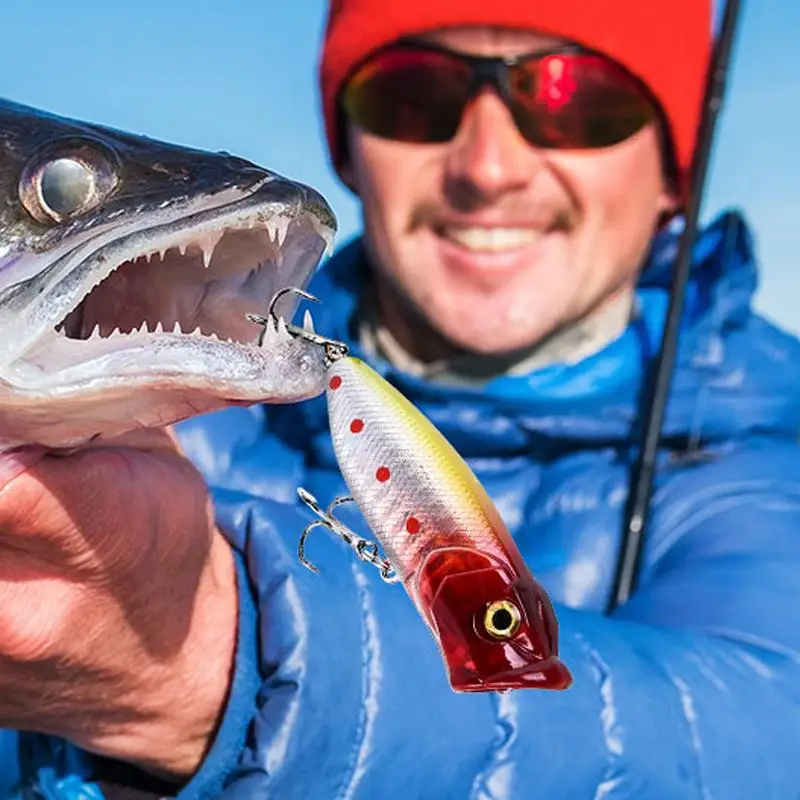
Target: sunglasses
(572, 98)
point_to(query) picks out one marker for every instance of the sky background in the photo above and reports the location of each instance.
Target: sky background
(240, 75)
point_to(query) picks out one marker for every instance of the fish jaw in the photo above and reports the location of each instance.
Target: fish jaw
(142, 321)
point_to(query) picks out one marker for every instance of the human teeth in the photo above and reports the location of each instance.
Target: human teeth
(493, 239)
(308, 321)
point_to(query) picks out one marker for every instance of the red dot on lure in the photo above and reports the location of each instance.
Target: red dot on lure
(382, 474)
(357, 425)
(335, 382)
(412, 525)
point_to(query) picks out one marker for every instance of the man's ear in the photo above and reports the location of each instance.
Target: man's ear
(346, 174)
(670, 203)
(344, 167)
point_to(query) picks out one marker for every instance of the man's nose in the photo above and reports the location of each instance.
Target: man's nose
(489, 157)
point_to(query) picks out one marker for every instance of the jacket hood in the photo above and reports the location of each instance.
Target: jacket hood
(735, 372)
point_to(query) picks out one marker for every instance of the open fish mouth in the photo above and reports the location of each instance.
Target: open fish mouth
(172, 299)
(146, 322)
(198, 278)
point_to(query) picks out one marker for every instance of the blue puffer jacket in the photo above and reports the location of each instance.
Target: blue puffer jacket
(691, 690)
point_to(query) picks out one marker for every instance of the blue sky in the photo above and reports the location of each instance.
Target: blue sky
(240, 76)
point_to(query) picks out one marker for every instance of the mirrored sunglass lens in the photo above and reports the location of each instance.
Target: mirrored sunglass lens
(408, 95)
(577, 100)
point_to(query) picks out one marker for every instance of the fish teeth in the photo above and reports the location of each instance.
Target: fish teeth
(208, 244)
(276, 230)
(159, 327)
(182, 248)
(95, 334)
(308, 322)
(196, 332)
(177, 327)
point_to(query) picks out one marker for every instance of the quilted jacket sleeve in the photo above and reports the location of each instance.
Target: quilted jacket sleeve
(691, 691)
(9, 764)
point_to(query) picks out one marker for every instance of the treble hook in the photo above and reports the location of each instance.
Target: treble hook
(364, 549)
(334, 350)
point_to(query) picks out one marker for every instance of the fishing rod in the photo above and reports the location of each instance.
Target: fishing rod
(638, 504)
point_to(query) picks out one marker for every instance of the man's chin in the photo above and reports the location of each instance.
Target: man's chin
(488, 334)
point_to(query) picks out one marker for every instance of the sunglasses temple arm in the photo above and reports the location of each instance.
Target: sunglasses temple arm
(638, 505)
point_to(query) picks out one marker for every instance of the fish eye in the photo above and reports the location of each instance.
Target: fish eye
(63, 185)
(502, 619)
(66, 186)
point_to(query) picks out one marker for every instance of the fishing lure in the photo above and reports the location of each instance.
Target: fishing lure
(441, 534)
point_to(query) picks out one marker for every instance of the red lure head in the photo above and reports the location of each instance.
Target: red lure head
(496, 629)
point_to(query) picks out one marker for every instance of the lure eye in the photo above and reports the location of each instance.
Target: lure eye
(502, 619)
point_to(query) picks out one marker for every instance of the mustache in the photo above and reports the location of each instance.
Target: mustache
(429, 214)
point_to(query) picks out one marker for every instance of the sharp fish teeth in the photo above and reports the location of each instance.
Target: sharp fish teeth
(177, 328)
(308, 322)
(196, 332)
(159, 327)
(95, 334)
(208, 243)
(276, 230)
(330, 244)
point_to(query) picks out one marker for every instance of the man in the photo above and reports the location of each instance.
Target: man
(512, 280)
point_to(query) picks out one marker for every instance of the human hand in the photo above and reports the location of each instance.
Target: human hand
(118, 604)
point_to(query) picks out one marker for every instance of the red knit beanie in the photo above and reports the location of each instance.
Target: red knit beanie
(666, 43)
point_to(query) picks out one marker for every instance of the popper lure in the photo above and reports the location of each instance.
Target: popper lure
(441, 535)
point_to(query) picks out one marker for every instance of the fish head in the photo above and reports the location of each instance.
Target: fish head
(495, 627)
(128, 267)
